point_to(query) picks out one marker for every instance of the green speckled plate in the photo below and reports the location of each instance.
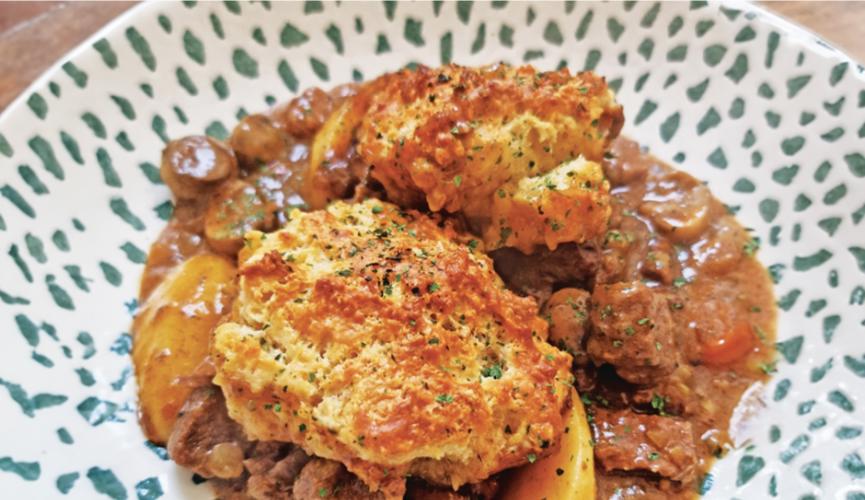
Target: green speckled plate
(770, 116)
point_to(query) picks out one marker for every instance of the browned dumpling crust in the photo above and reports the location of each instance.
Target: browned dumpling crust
(383, 339)
(452, 135)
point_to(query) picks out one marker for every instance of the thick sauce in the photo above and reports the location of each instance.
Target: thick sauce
(660, 377)
(669, 232)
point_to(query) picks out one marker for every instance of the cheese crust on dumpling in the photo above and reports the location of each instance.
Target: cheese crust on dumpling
(383, 339)
(454, 136)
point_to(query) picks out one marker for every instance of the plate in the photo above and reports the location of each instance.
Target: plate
(770, 116)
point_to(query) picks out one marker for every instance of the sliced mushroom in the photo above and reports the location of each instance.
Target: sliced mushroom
(193, 165)
(679, 206)
(233, 211)
(255, 140)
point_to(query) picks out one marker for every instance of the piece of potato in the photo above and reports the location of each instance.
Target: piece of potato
(172, 334)
(331, 141)
(574, 458)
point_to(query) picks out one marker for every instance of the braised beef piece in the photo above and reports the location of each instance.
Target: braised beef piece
(273, 468)
(203, 426)
(631, 251)
(545, 271)
(209, 443)
(567, 312)
(420, 490)
(206, 441)
(619, 167)
(632, 330)
(629, 441)
(660, 262)
(328, 479)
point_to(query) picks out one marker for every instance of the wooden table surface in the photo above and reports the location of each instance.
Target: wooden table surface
(34, 35)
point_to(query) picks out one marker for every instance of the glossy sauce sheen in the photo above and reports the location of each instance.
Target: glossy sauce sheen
(666, 231)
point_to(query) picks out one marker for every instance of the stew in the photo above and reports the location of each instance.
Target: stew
(669, 317)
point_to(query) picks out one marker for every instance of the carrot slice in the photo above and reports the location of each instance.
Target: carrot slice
(733, 345)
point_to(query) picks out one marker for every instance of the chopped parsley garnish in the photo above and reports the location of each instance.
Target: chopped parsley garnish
(310, 377)
(679, 282)
(433, 341)
(458, 180)
(606, 311)
(445, 398)
(433, 287)
(614, 235)
(277, 407)
(768, 367)
(760, 333)
(323, 492)
(494, 372)
(654, 456)
(532, 458)
(643, 321)
(344, 272)
(659, 403)
(301, 427)
(751, 246)
(377, 209)
(473, 244)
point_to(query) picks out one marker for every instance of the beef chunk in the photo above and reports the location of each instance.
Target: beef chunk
(632, 330)
(625, 248)
(660, 263)
(205, 439)
(568, 314)
(273, 468)
(420, 490)
(208, 442)
(328, 479)
(619, 168)
(543, 272)
(628, 441)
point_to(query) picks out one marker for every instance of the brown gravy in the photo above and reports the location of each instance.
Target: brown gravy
(715, 285)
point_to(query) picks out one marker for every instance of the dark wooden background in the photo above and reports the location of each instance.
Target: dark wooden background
(33, 35)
